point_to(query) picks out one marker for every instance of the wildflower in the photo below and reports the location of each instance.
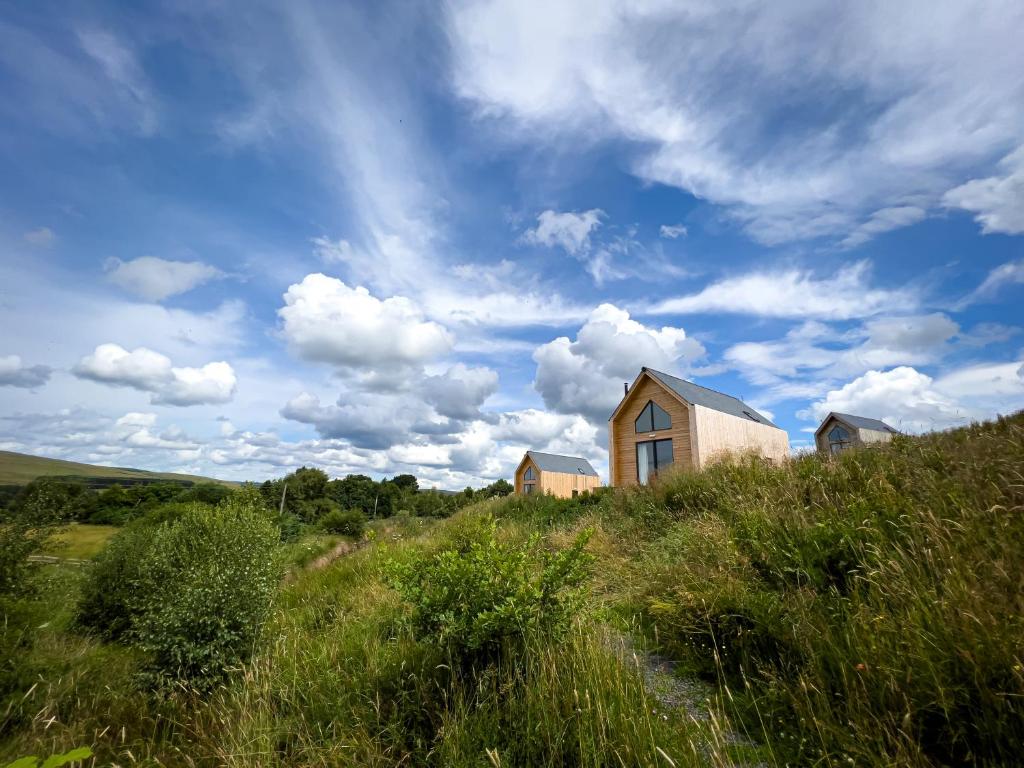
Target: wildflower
(861, 667)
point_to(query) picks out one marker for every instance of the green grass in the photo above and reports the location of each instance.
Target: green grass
(80, 542)
(867, 610)
(21, 469)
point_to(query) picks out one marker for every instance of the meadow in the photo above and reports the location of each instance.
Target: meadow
(863, 610)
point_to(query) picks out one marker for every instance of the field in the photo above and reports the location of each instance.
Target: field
(867, 610)
(80, 542)
(21, 468)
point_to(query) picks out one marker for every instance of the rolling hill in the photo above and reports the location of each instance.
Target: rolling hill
(22, 468)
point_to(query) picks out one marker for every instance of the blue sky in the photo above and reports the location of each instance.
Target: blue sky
(241, 237)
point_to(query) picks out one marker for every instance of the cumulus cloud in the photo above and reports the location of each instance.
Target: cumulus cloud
(149, 371)
(41, 237)
(460, 391)
(672, 231)
(696, 90)
(915, 402)
(569, 230)
(813, 355)
(793, 293)
(585, 375)
(996, 201)
(156, 279)
(13, 373)
(327, 321)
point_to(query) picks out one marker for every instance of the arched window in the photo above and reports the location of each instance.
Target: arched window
(652, 418)
(529, 480)
(529, 475)
(838, 439)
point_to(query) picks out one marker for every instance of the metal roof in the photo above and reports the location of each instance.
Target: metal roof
(709, 398)
(552, 462)
(862, 422)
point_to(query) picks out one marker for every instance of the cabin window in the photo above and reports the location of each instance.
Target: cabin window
(652, 418)
(838, 439)
(529, 487)
(652, 456)
(529, 475)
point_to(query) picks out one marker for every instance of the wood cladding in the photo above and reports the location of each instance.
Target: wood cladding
(560, 484)
(623, 437)
(699, 435)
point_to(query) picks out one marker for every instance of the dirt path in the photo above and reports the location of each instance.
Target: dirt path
(341, 549)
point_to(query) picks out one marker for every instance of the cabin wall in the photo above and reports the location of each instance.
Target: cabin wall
(518, 479)
(871, 436)
(562, 484)
(622, 436)
(719, 434)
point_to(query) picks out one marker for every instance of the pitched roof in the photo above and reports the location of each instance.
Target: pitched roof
(552, 462)
(861, 422)
(709, 398)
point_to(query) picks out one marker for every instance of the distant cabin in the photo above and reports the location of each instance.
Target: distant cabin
(664, 421)
(562, 476)
(840, 431)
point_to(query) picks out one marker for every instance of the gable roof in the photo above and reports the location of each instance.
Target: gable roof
(709, 398)
(552, 462)
(858, 422)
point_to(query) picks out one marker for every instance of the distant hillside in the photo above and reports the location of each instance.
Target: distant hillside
(21, 469)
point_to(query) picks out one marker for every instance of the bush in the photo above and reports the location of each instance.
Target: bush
(349, 523)
(475, 600)
(109, 601)
(25, 531)
(192, 592)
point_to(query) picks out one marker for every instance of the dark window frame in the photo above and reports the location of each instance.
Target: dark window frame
(653, 471)
(651, 414)
(840, 442)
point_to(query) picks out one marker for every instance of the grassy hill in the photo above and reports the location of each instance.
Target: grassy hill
(862, 610)
(22, 468)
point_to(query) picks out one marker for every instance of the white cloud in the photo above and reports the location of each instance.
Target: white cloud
(914, 402)
(42, 237)
(460, 391)
(794, 293)
(813, 356)
(1010, 273)
(901, 397)
(672, 231)
(156, 279)
(123, 71)
(882, 221)
(149, 371)
(585, 376)
(13, 373)
(327, 321)
(705, 96)
(569, 230)
(996, 201)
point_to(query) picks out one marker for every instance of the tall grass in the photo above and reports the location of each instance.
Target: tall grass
(866, 610)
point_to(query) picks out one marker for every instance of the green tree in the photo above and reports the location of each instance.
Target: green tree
(25, 531)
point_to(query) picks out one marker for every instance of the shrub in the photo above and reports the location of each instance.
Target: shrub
(109, 604)
(26, 530)
(474, 600)
(345, 523)
(192, 592)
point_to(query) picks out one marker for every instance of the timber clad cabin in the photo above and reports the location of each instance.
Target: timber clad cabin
(840, 431)
(666, 421)
(562, 476)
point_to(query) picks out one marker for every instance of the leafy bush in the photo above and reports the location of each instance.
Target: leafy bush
(345, 523)
(24, 531)
(109, 600)
(193, 592)
(474, 600)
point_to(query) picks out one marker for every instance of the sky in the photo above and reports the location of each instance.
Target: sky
(416, 237)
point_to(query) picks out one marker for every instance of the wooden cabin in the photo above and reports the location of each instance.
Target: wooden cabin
(666, 421)
(840, 431)
(562, 476)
